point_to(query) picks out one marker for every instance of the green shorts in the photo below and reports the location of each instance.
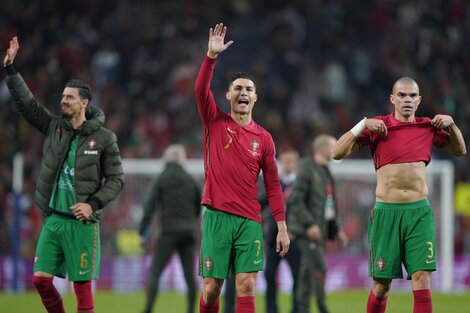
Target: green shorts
(68, 246)
(230, 241)
(401, 233)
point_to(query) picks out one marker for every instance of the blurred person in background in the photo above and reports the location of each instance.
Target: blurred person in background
(176, 197)
(313, 219)
(401, 225)
(236, 150)
(289, 163)
(81, 173)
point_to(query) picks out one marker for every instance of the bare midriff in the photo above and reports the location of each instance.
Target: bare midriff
(402, 182)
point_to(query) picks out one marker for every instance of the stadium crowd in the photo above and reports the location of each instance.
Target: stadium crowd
(320, 67)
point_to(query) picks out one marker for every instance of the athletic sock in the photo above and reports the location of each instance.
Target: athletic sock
(375, 305)
(422, 301)
(245, 304)
(208, 308)
(84, 294)
(50, 297)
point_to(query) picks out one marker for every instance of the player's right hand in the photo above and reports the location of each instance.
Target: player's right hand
(376, 126)
(11, 51)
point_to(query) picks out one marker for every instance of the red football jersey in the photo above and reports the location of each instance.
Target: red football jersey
(405, 142)
(234, 156)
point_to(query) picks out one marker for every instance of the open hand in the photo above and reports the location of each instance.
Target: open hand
(11, 51)
(216, 41)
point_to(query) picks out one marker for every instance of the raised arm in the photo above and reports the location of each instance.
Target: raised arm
(11, 51)
(27, 105)
(456, 145)
(207, 108)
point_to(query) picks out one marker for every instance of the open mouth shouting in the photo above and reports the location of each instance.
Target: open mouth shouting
(243, 102)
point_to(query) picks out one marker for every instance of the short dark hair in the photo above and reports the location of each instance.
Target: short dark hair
(242, 75)
(84, 91)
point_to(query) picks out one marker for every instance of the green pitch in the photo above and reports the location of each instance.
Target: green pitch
(351, 301)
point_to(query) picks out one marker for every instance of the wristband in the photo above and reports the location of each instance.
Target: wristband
(9, 69)
(359, 128)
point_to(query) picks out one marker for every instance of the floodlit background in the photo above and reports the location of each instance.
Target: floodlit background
(320, 67)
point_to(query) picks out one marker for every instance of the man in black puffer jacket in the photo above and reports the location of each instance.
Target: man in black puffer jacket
(81, 172)
(176, 196)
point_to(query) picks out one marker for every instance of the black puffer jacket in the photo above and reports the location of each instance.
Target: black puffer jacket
(99, 176)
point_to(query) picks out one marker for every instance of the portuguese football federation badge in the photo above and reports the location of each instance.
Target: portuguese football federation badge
(381, 264)
(209, 264)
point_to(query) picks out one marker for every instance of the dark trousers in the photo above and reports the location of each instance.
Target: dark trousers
(184, 243)
(270, 272)
(312, 275)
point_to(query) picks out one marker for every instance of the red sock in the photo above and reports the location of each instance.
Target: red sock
(422, 301)
(375, 305)
(245, 304)
(208, 308)
(84, 294)
(50, 297)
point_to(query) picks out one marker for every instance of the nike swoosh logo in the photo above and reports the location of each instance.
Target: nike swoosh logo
(82, 272)
(429, 262)
(257, 262)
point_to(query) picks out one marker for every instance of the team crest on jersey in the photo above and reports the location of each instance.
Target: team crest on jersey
(92, 148)
(381, 264)
(209, 264)
(254, 147)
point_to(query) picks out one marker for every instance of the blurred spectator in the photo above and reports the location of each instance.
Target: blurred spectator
(176, 196)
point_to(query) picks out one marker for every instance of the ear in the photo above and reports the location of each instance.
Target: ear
(227, 95)
(418, 101)
(86, 102)
(392, 99)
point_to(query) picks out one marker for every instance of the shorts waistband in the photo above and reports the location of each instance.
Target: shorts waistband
(62, 214)
(401, 206)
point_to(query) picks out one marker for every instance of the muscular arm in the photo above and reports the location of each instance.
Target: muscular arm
(456, 145)
(344, 146)
(348, 142)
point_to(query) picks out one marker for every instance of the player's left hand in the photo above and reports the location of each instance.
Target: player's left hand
(216, 42)
(11, 52)
(282, 241)
(442, 121)
(82, 211)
